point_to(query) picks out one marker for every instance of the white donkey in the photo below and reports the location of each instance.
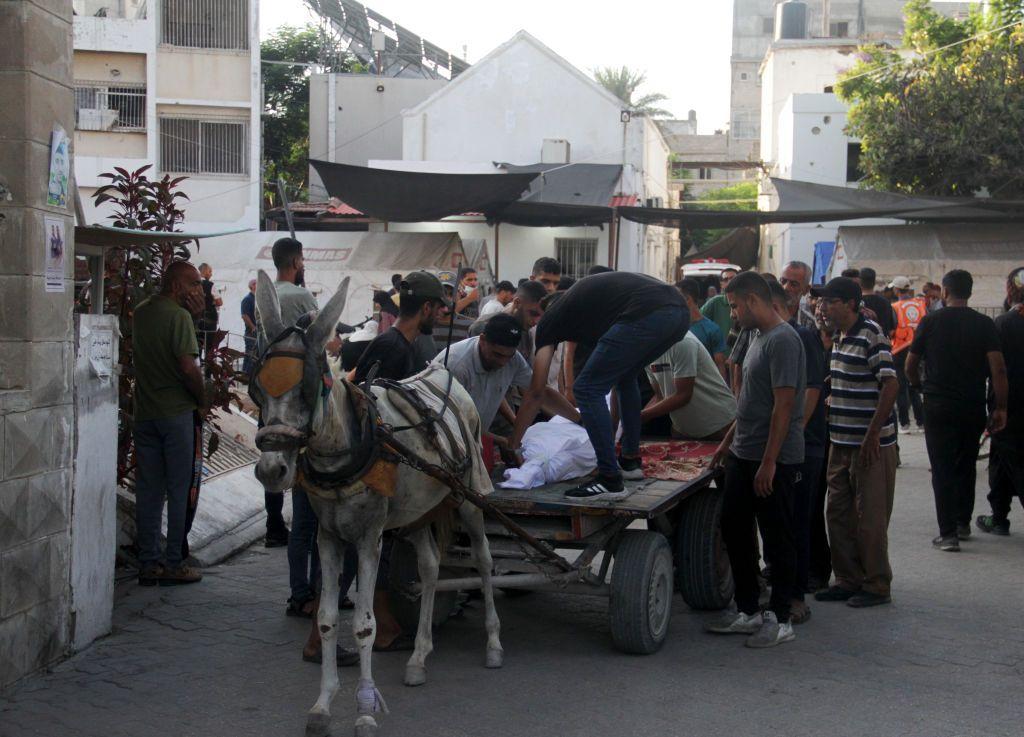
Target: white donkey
(298, 412)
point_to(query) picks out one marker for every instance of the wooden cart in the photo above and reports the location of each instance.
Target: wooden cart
(680, 548)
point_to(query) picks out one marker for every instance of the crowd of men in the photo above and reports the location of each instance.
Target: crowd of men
(804, 388)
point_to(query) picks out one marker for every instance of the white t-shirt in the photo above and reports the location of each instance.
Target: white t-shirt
(492, 307)
(712, 405)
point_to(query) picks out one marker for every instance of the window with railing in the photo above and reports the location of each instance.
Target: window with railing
(101, 106)
(204, 145)
(576, 255)
(205, 24)
(122, 9)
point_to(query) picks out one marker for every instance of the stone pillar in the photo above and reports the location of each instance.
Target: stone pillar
(36, 353)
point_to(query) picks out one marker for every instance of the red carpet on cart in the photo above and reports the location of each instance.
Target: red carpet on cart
(676, 460)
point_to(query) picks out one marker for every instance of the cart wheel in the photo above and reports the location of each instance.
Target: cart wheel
(405, 605)
(704, 576)
(641, 592)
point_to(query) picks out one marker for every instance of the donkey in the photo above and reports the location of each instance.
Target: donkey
(301, 412)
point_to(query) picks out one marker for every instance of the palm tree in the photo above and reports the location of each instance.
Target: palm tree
(623, 83)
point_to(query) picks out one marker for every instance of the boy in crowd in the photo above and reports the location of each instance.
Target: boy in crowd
(705, 330)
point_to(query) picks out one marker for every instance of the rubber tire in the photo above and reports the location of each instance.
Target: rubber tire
(406, 610)
(641, 591)
(703, 573)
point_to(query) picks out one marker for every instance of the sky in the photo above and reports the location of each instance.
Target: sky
(682, 45)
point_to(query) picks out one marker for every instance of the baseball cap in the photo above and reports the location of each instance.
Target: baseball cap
(422, 284)
(900, 282)
(842, 287)
(503, 330)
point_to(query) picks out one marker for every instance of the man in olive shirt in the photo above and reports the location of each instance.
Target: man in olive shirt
(168, 392)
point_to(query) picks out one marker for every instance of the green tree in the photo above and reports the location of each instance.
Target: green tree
(286, 100)
(739, 196)
(624, 83)
(944, 119)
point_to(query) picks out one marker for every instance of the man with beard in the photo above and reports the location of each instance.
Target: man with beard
(421, 302)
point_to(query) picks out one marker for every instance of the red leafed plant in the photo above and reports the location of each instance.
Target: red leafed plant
(133, 274)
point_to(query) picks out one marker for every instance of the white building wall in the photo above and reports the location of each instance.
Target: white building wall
(202, 82)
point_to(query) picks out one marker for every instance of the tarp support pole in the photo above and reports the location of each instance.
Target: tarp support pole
(287, 209)
(497, 250)
(618, 235)
(613, 233)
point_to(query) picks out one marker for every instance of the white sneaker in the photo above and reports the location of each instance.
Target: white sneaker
(905, 429)
(734, 623)
(771, 633)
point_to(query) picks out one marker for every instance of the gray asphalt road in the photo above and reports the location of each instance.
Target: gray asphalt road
(945, 659)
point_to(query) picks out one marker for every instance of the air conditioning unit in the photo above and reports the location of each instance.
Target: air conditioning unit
(96, 119)
(554, 151)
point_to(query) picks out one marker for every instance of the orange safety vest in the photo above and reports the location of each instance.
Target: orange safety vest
(909, 313)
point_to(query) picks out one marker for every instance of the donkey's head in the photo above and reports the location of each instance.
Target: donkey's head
(288, 382)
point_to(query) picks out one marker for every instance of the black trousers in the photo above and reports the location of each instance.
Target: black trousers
(804, 491)
(274, 503)
(952, 433)
(741, 508)
(908, 397)
(820, 562)
(1006, 472)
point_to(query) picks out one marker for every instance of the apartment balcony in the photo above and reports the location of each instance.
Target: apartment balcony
(113, 25)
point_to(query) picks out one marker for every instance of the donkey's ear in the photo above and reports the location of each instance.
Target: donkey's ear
(268, 306)
(323, 327)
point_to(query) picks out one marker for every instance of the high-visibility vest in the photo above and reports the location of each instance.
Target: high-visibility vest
(909, 313)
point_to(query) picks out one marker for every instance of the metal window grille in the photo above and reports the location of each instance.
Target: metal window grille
(205, 24)
(104, 107)
(576, 255)
(204, 146)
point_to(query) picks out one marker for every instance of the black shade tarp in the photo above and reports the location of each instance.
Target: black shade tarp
(570, 184)
(550, 215)
(412, 197)
(739, 246)
(805, 202)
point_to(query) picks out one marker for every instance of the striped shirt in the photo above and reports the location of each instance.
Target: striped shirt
(861, 359)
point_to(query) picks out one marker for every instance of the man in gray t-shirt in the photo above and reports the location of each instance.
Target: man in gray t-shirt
(761, 455)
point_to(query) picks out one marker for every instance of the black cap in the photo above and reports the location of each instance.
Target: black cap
(503, 330)
(422, 284)
(842, 287)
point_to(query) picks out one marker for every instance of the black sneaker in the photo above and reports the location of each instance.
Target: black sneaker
(987, 523)
(948, 543)
(632, 468)
(835, 593)
(866, 598)
(602, 487)
(963, 532)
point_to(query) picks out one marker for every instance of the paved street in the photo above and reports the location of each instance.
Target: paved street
(946, 658)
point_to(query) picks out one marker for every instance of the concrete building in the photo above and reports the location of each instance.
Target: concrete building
(358, 117)
(523, 104)
(37, 424)
(175, 85)
(753, 31)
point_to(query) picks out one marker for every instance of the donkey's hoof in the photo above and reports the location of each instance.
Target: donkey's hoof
(318, 725)
(366, 726)
(495, 657)
(415, 675)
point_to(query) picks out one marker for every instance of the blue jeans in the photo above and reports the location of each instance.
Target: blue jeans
(164, 458)
(618, 358)
(303, 553)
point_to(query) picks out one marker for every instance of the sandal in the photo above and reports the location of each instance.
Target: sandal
(401, 643)
(297, 608)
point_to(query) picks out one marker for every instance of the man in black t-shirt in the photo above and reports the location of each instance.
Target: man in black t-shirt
(630, 319)
(1006, 462)
(421, 303)
(878, 304)
(962, 350)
